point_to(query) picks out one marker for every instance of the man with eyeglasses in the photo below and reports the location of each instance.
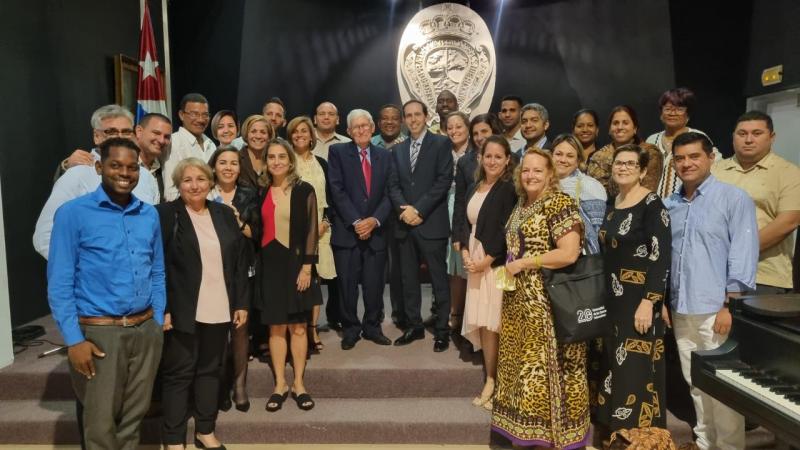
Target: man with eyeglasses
(189, 140)
(109, 121)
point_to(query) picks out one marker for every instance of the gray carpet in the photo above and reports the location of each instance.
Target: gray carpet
(370, 394)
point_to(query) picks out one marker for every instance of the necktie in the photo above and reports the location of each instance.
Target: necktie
(414, 154)
(366, 168)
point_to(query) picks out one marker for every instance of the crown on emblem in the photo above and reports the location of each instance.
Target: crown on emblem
(447, 25)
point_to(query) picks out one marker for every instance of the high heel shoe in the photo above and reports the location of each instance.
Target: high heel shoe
(199, 444)
(243, 407)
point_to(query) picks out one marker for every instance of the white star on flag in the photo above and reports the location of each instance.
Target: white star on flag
(148, 67)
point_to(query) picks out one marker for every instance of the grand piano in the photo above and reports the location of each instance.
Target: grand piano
(756, 372)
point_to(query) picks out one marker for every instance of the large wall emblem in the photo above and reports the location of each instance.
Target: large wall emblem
(447, 46)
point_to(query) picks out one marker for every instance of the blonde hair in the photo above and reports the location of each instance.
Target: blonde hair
(177, 174)
(292, 178)
(294, 123)
(551, 167)
(250, 121)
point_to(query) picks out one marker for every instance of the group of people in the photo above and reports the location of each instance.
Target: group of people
(246, 231)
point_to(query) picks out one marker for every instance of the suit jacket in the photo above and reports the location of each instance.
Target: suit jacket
(548, 145)
(426, 188)
(348, 193)
(183, 265)
(491, 224)
(465, 176)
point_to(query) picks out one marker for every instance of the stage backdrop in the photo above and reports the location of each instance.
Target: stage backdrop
(565, 55)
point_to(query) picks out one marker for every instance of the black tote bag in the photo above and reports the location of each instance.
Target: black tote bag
(577, 298)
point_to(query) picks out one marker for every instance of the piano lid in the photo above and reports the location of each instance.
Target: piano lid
(783, 305)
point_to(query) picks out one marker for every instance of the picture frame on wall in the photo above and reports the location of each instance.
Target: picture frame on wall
(126, 74)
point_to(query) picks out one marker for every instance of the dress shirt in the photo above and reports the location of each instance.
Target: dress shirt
(517, 141)
(705, 262)
(77, 181)
(321, 147)
(184, 145)
(379, 141)
(369, 160)
(105, 260)
(520, 151)
(238, 143)
(774, 185)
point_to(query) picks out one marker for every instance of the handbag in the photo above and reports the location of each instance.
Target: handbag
(577, 298)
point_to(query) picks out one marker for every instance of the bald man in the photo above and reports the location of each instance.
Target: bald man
(326, 119)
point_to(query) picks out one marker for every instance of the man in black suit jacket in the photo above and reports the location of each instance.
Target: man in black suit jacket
(357, 176)
(418, 186)
(534, 123)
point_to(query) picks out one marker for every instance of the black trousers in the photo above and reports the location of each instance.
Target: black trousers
(360, 265)
(332, 304)
(413, 249)
(191, 368)
(394, 272)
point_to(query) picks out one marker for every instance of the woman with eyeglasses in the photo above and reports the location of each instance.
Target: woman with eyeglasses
(623, 128)
(635, 240)
(675, 108)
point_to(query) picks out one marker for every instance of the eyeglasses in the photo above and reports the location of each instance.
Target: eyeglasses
(197, 115)
(114, 132)
(626, 164)
(674, 109)
(363, 126)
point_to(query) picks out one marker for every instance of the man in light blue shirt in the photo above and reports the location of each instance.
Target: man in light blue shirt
(106, 289)
(714, 257)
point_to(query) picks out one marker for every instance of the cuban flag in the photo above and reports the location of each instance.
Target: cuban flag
(149, 92)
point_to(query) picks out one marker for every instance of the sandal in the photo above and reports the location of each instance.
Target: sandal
(276, 400)
(304, 401)
(316, 346)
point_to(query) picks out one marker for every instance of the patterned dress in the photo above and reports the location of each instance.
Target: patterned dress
(636, 244)
(541, 397)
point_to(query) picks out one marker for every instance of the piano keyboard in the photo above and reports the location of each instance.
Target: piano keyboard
(783, 397)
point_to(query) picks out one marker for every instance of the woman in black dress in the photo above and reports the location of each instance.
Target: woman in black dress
(287, 286)
(636, 244)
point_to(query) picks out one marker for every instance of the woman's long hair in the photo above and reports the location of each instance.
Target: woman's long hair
(292, 178)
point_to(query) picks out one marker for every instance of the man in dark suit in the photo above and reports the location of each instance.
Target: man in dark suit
(534, 123)
(357, 176)
(418, 185)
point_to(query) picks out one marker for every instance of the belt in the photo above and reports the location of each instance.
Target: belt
(121, 321)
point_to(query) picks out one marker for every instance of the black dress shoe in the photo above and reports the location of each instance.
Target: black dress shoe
(410, 336)
(379, 339)
(335, 326)
(348, 344)
(440, 345)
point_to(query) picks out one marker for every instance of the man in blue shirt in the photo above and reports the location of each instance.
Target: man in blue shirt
(106, 290)
(708, 217)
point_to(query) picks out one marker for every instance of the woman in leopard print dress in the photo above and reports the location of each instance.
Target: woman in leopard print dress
(541, 398)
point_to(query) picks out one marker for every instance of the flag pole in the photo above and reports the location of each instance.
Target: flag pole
(167, 65)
